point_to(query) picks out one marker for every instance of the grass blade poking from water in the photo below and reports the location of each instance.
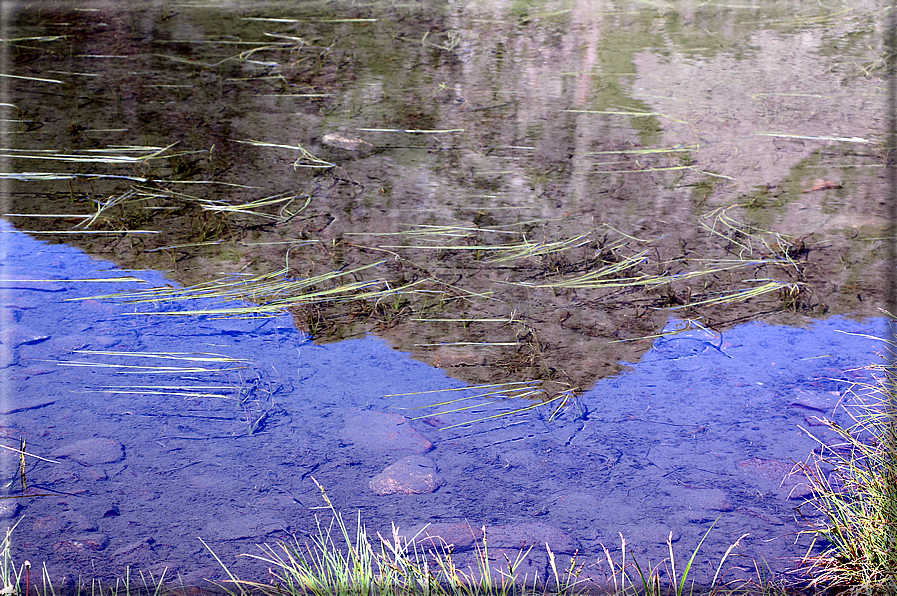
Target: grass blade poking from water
(664, 580)
(10, 575)
(855, 490)
(529, 395)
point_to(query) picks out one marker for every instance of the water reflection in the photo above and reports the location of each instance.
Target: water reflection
(156, 431)
(532, 194)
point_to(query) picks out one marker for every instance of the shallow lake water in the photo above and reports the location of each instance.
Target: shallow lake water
(150, 447)
(590, 270)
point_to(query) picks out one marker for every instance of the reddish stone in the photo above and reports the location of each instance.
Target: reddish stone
(97, 475)
(46, 525)
(383, 432)
(449, 356)
(82, 543)
(412, 475)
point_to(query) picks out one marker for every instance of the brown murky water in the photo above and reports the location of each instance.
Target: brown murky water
(492, 161)
(532, 191)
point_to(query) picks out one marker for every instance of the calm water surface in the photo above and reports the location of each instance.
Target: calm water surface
(667, 222)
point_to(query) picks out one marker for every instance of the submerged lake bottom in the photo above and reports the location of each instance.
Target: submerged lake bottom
(157, 431)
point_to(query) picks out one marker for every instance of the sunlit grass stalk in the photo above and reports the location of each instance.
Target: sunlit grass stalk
(506, 391)
(249, 208)
(9, 573)
(651, 580)
(601, 277)
(428, 230)
(112, 155)
(541, 249)
(68, 280)
(471, 343)
(742, 295)
(343, 293)
(661, 150)
(89, 232)
(125, 368)
(48, 176)
(305, 160)
(273, 293)
(343, 559)
(265, 286)
(742, 235)
(521, 250)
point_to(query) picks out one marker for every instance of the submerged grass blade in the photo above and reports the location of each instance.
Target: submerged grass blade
(125, 368)
(272, 292)
(89, 280)
(305, 160)
(602, 277)
(191, 356)
(742, 295)
(541, 249)
(250, 208)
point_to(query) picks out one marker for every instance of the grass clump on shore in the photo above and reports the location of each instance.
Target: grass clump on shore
(855, 491)
(342, 559)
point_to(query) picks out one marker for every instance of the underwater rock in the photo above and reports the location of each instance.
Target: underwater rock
(82, 543)
(770, 469)
(519, 536)
(412, 475)
(383, 432)
(346, 142)
(19, 335)
(761, 515)
(714, 499)
(80, 522)
(647, 535)
(447, 357)
(239, 527)
(787, 477)
(90, 452)
(814, 401)
(9, 508)
(8, 357)
(461, 536)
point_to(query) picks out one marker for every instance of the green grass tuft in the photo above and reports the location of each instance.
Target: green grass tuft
(855, 491)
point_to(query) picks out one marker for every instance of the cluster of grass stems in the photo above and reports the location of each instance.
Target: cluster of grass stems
(345, 559)
(855, 491)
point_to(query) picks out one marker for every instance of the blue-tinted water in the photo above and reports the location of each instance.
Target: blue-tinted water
(147, 460)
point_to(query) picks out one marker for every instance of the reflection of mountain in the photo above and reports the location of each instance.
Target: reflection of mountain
(494, 158)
